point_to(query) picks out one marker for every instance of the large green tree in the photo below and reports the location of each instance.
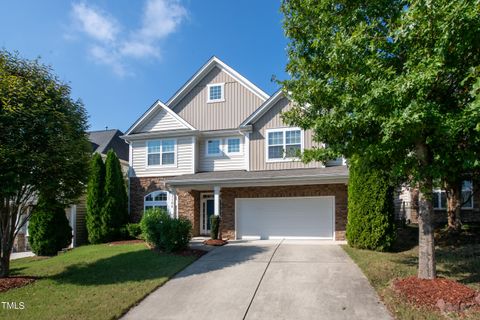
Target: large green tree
(43, 146)
(114, 211)
(388, 80)
(95, 199)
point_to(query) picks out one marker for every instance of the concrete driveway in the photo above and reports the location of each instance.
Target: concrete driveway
(266, 280)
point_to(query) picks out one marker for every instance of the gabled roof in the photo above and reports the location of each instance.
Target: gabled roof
(257, 114)
(204, 70)
(151, 111)
(104, 140)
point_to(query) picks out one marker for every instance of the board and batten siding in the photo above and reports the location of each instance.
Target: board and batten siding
(238, 105)
(258, 139)
(161, 121)
(223, 162)
(184, 158)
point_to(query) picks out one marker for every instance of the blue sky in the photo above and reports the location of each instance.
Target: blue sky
(119, 56)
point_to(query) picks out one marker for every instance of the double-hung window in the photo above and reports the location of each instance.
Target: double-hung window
(440, 196)
(161, 152)
(214, 147)
(215, 92)
(283, 144)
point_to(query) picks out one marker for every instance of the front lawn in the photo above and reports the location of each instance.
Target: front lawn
(90, 282)
(459, 262)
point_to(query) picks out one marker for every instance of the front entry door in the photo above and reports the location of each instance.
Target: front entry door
(207, 211)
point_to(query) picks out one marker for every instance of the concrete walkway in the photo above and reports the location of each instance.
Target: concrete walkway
(19, 255)
(266, 280)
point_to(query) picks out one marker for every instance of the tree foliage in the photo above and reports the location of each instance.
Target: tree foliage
(95, 197)
(396, 82)
(43, 146)
(114, 211)
(49, 230)
(371, 222)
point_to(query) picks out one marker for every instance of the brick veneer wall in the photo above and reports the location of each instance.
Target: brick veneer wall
(139, 188)
(228, 196)
(189, 207)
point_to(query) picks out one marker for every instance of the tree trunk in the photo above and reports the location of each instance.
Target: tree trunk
(426, 241)
(4, 266)
(454, 205)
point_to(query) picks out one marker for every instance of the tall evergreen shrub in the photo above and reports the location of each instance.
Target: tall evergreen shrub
(371, 222)
(95, 197)
(49, 230)
(115, 211)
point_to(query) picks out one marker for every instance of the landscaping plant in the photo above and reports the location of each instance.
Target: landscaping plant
(49, 230)
(215, 227)
(95, 196)
(114, 209)
(43, 145)
(134, 230)
(371, 223)
(164, 232)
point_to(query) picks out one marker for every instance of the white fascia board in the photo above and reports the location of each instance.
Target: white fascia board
(203, 71)
(262, 109)
(159, 134)
(215, 133)
(157, 105)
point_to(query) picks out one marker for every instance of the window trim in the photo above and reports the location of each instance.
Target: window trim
(220, 148)
(157, 204)
(284, 130)
(222, 96)
(161, 165)
(240, 149)
(437, 193)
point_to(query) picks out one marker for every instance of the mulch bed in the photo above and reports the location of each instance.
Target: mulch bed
(216, 242)
(14, 282)
(117, 243)
(441, 294)
(190, 252)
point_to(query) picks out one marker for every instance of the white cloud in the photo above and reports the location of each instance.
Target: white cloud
(109, 46)
(95, 23)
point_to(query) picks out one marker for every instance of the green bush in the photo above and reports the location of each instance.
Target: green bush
(371, 222)
(164, 232)
(215, 227)
(95, 196)
(134, 230)
(49, 231)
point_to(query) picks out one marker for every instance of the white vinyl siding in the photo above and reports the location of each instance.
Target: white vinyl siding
(224, 161)
(184, 159)
(162, 121)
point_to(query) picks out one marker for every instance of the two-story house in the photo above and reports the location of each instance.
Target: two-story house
(219, 147)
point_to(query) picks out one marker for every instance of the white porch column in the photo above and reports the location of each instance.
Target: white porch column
(174, 202)
(216, 200)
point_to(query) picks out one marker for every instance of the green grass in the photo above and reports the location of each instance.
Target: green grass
(90, 282)
(459, 262)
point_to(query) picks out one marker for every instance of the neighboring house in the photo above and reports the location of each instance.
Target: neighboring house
(102, 141)
(219, 147)
(406, 204)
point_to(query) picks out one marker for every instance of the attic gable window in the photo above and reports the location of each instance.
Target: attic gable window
(215, 92)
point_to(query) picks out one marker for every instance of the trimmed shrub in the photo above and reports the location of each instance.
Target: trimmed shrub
(134, 230)
(371, 222)
(48, 228)
(163, 232)
(215, 226)
(114, 211)
(95, 196)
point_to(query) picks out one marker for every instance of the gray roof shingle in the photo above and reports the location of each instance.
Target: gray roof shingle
(104, 140)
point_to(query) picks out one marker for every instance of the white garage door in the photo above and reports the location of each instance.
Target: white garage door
(285, 218)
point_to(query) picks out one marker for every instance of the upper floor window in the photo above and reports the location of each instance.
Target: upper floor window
(214, 147)
(216, 92)
(161, 152)
(233, 145)
(157, 199)
(440, 196)
(284, 144)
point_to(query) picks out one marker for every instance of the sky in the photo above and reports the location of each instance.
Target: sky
(120, 56)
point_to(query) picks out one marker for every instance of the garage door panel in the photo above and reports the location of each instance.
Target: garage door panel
(290, 218)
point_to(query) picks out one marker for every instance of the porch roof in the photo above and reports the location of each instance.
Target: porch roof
(336, 174)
